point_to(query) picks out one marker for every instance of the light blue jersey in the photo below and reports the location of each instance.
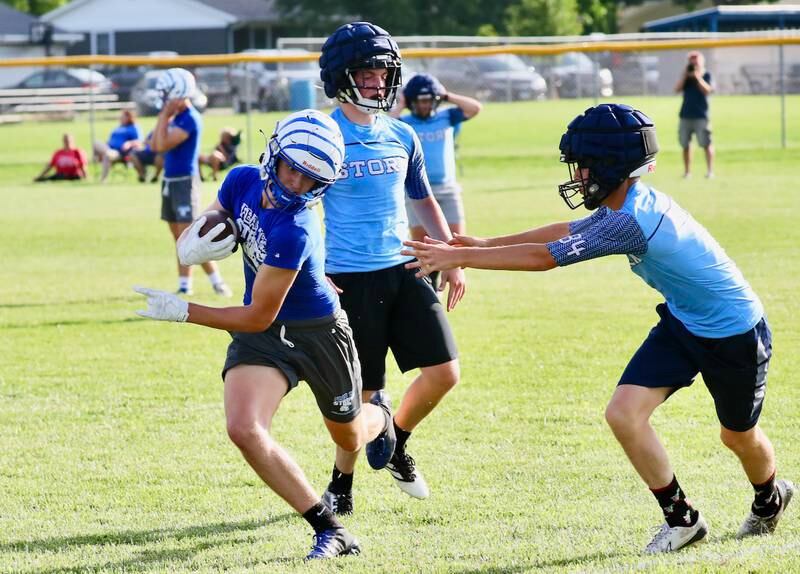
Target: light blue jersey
(437, 135)
(365, 214)
(673, 254)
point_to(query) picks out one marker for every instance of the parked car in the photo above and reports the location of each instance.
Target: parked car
(635, 74)
(123, 80)
(146, 97)
(574, 75)
(266, 84)
(67, 78)
(501, 77)
(214, 82)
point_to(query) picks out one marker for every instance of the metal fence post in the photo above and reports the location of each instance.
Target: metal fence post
(782, 84)
(247, 112)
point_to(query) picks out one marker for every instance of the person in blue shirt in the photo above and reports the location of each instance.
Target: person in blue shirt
(122, 141)
(711, 321)
(695, 85)
(365, 225)
(144, 156)
(290, 326)
(436, 130)
(177, 136)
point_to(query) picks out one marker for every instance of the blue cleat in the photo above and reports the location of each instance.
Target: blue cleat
(333, 542)
(381, 449)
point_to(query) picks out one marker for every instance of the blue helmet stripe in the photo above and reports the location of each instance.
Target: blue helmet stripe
(314, 151)
(332, 144)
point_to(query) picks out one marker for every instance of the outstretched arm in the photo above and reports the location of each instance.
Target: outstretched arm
(269, 291)
(438, 256)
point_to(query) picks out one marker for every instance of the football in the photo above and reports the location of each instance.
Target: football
(213, 218)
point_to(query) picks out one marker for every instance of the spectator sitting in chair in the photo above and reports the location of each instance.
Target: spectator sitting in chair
(224, 155)
(69, 162)
(145, 156)
(122, 141)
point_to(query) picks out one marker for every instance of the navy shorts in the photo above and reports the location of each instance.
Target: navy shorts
(734, 368)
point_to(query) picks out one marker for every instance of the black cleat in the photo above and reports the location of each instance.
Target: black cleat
(332, 543)
(381, 449)
(338, 503)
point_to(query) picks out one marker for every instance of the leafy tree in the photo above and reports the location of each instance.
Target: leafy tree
(34, 7)
(543, 18)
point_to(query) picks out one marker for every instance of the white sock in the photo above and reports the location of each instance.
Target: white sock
(184, 282)
(215, 278)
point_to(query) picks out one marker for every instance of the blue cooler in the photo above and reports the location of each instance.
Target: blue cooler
(302, 95)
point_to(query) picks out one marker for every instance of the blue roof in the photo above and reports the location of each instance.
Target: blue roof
(730, 19)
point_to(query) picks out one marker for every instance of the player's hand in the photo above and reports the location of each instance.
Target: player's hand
(333, 285)
(432, 255)
(194, 250)
(172, 106)
(163, 306)
(458, 286)
(468, 241)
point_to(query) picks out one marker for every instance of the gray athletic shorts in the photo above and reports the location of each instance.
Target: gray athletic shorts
(180, 199)
(319, 351)
(449, 198)
(701, 127)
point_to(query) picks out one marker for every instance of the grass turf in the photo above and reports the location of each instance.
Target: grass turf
(113, 453)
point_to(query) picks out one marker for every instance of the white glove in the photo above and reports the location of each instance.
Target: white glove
(163, 306)
(194, 250)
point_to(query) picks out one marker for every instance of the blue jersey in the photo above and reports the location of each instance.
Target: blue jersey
(365, 214)
(437, 135)
(279, 239)
(122, 134)
(673, 254)
(182, 159)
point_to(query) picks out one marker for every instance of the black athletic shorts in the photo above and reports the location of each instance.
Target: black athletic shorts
(393, 309)
(734, 368)
(180, 199)
(318, 351)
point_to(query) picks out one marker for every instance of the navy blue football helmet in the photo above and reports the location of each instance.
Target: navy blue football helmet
(423, 87)
(355, 46)
(614, 142)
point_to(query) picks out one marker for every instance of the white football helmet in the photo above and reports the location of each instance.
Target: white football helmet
(311, 143)
(175, 84)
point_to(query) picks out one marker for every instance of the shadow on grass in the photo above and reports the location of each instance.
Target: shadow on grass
(147, 558)
(537, 564)
(71, 323)
(98, 300)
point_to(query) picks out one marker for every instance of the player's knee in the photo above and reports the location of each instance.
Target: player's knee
(244, 433)
(350, 441)
(447, 376)
(620, 417)
(738, 441)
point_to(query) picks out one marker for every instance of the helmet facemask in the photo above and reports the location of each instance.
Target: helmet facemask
(354, 93)
(413, 105)
(590, 191)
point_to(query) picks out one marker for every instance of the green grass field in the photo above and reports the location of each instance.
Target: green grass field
(113, 451)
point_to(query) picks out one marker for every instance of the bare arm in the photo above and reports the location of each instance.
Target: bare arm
(470, 106)
(681, 82)
(704, 86)
(46, 169)
(164, 137)
(437, 256)
(544, 234)
(432, 218)
(269, 291)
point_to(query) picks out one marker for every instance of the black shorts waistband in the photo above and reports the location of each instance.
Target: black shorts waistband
(310, 323)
